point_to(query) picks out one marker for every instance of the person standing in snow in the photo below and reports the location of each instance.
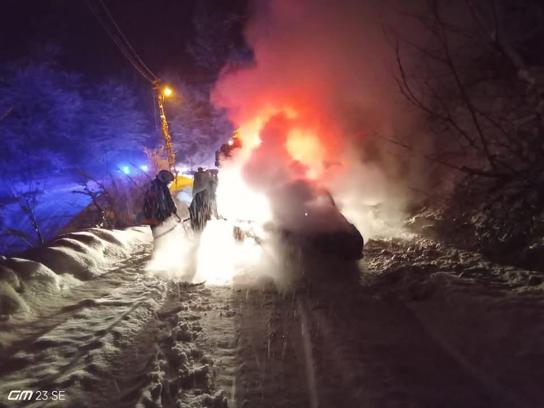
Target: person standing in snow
(158, 202)
(214, 181)
(203, 205)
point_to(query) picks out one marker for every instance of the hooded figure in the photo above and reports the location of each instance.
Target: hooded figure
(158, 202)
(203, 206)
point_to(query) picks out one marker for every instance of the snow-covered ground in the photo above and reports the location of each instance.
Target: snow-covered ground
(106, 320)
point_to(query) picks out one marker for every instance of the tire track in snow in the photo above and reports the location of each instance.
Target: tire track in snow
(271, 369)
(339, 346)
(375, 352)
(182, 358)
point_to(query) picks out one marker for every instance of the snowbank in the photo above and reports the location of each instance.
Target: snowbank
(488, 317)
(39, 273)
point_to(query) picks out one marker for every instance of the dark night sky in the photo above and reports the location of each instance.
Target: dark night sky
(157, 29)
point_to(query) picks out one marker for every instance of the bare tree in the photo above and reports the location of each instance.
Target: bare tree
(484, 109)
(117, 202)
(96, 192)
(27, 200)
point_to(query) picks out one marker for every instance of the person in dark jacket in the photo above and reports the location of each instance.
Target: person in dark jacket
(203, 206)
(158, 202)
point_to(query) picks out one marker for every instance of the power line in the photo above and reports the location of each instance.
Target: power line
(135, 54)
(121, 41)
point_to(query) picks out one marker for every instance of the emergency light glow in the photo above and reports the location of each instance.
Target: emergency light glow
(144, 167)
(125, 169)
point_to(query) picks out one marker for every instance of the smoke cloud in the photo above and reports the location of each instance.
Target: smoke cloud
(308, 109)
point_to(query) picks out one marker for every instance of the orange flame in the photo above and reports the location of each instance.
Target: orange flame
(306, 139)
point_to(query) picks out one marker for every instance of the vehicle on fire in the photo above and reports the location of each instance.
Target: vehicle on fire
(315, 226)
(321, 227)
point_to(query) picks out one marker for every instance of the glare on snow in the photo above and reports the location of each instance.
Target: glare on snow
(214, 256)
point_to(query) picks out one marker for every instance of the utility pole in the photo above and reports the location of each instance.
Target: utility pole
(164, 91)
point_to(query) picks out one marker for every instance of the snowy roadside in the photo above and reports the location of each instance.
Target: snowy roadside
(488, 317)
(425, 326)
(86, 318)
(69, 308)
(35, 282)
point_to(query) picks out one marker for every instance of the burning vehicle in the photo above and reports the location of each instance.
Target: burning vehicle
(307, 216)
(275, 185)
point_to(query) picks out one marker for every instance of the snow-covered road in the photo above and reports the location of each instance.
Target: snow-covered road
(425, 327)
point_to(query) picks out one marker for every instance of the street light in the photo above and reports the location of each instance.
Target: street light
(167, 91)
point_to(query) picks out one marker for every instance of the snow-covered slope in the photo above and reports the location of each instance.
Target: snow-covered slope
(29, 281)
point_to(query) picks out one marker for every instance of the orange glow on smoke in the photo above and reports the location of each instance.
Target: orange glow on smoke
(307, 140)
(306, 148)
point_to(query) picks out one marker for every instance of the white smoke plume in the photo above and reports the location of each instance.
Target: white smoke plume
(309, 109)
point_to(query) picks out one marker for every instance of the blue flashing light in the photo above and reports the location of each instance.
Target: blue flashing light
(125, 169)
(144, 167)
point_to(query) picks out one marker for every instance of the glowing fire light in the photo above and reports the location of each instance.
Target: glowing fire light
(305, 140)
(237, 201)
(230, 258)
(306, 148)
(220, 258)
